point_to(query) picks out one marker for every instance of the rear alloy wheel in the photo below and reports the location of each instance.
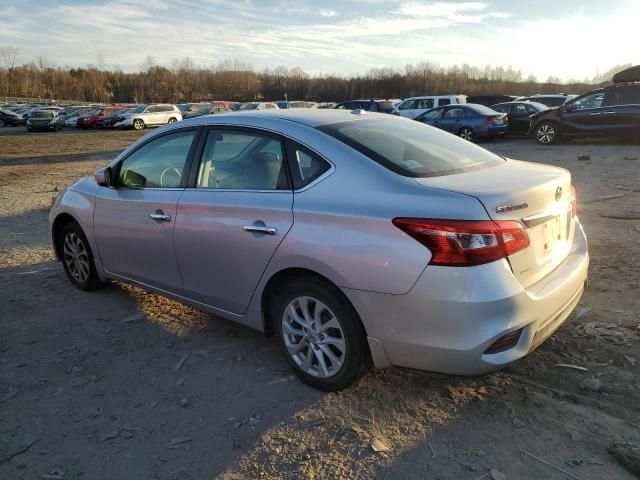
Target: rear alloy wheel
(466, 134)
(138, 124)
(77, 258)
(320, 335)
(547, 133)
(171, 120)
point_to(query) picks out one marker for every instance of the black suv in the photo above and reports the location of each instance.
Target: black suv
(609, 112)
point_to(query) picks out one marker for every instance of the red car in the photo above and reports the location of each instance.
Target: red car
(89, 120)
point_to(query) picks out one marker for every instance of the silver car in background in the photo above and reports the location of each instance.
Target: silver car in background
(143, 116)
(354, 237)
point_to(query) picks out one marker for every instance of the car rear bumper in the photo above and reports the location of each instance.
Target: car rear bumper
(453, 315)
(494, 132)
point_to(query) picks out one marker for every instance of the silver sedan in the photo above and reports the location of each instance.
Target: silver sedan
(356, 238)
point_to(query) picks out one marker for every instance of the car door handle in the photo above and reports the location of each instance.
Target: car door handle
(160, 217)
(594, 114)
(260, 229)
(608, 113)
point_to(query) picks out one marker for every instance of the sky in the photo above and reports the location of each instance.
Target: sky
(569, 39)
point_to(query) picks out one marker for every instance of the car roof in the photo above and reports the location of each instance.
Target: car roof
(306, 116)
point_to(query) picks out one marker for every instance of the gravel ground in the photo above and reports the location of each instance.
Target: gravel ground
(119, 383)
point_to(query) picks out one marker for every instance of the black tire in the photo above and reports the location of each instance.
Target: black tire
(172, 120)
(29, 130)
(356, 359)
(138, 124)
(547, 133)
(1, 123)
(467, 133)
(73, 232)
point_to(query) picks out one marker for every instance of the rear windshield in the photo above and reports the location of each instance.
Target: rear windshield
(411, 148)
(481, 109)
(42, 114)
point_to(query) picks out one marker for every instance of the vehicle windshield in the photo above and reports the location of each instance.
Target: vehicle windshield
(411, 148)
(248, 106)
(138, 109)
(42, 114)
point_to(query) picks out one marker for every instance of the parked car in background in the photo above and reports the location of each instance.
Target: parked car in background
(371, 105)
(210, 110)
(144, 116)
(414, 106)
(519, 115)
(548, 100)
(283, 105)
(89, 119)
(72, 119)
(257, 106)
(440, 255)
(44, 120)
(489, 100)
(469, 121)
(9, 118)
(109, 121)
(609, 112)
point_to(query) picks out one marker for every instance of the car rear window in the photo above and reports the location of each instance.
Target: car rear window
(411, 148)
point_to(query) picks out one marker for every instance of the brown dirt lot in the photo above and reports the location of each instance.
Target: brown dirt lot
(120, 383)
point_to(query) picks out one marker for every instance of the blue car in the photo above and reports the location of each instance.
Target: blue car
(469, 121)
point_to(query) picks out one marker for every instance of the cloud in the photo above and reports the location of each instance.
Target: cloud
(340, 37)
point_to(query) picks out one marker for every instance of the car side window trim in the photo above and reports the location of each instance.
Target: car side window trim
(192, 179)
(188, 163)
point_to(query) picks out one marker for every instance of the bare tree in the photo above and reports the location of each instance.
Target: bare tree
(8, 59)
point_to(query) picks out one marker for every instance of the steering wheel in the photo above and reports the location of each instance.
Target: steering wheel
(171, 173)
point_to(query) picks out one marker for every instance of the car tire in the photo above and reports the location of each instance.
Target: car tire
(547, 133)
(172, 120)
(322, 364)
(77, 258)
(466, 133)
(1, 123)
(138, 124)
(29, 130)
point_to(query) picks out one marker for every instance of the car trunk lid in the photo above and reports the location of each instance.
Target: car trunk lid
(538, 196)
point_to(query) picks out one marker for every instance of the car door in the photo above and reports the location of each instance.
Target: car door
(233, 217)
(134, 220)
(519, 117)
(585, 116)
(431, 117)
(452, 119)
(621, 110)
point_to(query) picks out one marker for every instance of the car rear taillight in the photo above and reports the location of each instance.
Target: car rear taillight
(574, 202)
(465, 242)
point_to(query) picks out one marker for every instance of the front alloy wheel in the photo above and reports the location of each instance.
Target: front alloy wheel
(546, 133)
(138, 124)
(77, 259)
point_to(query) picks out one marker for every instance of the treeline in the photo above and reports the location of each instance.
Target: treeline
(233, 80)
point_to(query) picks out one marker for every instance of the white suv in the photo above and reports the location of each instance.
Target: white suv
(143, 116)
(414, 106)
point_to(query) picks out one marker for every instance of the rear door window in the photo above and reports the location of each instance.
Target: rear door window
(239, 160)
(622, 95)
(444, 101)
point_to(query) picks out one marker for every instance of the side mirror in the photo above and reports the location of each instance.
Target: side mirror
(103, 176)
(564, 108)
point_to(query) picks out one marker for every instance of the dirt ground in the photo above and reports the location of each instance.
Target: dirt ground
(121, 384)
